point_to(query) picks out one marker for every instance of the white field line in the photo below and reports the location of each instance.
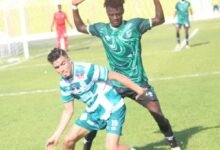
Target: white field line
(187, 76)
(153, 79)
(24, 67)
(19, 62)
(28, 92)
(183, 43)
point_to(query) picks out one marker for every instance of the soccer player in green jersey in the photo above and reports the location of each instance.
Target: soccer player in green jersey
(122, 43)
(183, 8)
(105, 107)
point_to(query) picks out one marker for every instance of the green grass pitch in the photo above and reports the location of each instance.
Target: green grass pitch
(187, 83)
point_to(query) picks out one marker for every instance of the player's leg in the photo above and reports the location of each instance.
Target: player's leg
(62, 41)
(65, 40)
(151, 103)
(87, 117)
(88, 140)
(114, 128)
(112, 143)
(178, 27)
(187, 35)
(59, 40)
(59, 37)
(75, 134)
(163, 123)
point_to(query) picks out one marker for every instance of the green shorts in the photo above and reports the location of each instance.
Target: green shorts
(91, 120)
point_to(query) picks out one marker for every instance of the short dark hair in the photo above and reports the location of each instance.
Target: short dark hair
(55, 54)
(113, 3)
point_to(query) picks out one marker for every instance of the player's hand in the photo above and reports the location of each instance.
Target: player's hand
(77, 2)
(51, 143)
(50, 147)
(142, 94)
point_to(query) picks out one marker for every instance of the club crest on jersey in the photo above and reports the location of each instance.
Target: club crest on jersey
(80, 76)
(128, 34)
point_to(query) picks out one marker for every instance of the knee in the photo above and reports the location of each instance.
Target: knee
(68, 143)
(111, 147)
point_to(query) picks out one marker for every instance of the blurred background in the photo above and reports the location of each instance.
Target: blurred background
(26, 23)
(187, 81)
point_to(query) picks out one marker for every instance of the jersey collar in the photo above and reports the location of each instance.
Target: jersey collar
(114, 28)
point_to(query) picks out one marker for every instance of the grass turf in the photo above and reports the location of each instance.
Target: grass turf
(187, 84)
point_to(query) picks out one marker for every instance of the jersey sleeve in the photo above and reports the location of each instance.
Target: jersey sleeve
(66, 95)
(176, 6)
(95, 29)
(99, 73)
(143, 25)
(189, 5)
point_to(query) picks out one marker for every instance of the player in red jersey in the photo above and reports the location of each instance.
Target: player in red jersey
(60, 18)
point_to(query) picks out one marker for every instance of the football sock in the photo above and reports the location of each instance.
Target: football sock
(87, 145)
(88, 140)
(178, 37)
(172, 141)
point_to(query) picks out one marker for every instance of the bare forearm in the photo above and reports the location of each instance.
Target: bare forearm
(159, 15)
(80, 25)
(65, 118)
(126, 82)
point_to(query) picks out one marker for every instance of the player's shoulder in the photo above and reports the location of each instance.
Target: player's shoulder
(64, 83)
(137, 19)
(81, 64)
(188, 2)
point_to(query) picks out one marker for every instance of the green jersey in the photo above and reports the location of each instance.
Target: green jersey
(123, 47)
(182, 8)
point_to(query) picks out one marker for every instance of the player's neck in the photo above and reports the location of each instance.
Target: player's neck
(115, 28)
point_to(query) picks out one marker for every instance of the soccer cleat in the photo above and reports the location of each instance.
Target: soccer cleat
(187, 46)
(178, 47)
(176, 148)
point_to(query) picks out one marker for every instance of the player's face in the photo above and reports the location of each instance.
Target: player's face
(63, 66)
(115, 15)
(59, 7)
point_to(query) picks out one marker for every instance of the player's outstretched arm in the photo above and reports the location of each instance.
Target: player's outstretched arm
(65, 118)
(141, 92)
(80, 25)
(159, 15)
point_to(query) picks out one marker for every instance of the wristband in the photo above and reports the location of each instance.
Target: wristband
(74, 7)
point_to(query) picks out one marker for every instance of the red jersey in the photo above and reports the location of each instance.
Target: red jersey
(60, 18)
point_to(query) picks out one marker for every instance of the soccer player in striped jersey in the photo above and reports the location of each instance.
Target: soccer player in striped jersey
(183, 8)
(90, 84)
(122, 43)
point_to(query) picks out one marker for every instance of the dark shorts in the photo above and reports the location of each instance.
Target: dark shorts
(185, 25)
(126, 92)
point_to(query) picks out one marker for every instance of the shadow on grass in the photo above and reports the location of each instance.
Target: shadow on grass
(182, 136)
(199, 44)
(80, 48)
